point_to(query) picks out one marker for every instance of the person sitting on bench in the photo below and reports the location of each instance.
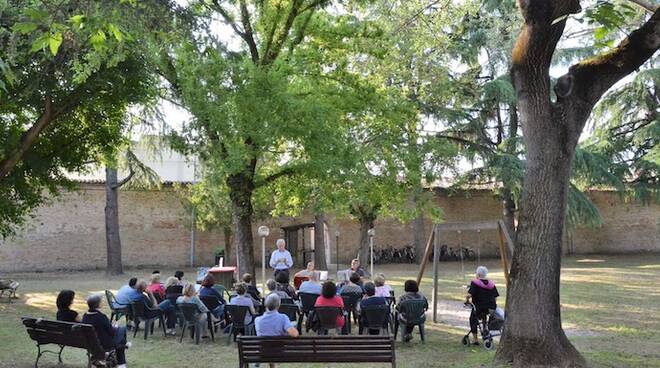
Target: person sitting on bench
(111, 336)
(274, 323)
(64, 312)
(483, 294)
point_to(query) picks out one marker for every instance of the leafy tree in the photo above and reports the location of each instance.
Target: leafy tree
(552, 124)
(68, 70)
(271, 107)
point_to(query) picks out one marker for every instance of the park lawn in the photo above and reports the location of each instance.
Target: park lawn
(607, 305)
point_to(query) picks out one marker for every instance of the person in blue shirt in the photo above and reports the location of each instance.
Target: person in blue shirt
(274, 323)
(280, 259)
(122, 294)
(312, 285)
(243, 299)
(370, 299)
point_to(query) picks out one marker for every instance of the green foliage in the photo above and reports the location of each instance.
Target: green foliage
(49, 57)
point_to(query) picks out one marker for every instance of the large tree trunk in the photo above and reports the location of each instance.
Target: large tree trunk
(240, 193)
(366, 223)
(509, 211)
(419, 237)
(113, 242)
(508, 202)
(319, 242)
(226, 232)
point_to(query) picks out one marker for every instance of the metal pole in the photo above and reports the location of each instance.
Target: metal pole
(263, 264)
(192, 238)
(371, 245)
(337, 250)
(435, 276)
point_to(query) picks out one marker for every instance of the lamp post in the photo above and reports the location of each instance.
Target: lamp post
(263, 233)
(371, 234)
(337, 249)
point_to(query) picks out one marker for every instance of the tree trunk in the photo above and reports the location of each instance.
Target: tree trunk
(508, 202)
(226, 232)
(509, 211)
(319, 242)
(240, 193)
(113, 242)
(419, 237)
(366, 223)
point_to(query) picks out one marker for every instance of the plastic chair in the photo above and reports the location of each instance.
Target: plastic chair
(307, 301)
(411, 312)
(116, 312)
(236, 315)
(351, 300)
(211, 303)
(291, 311)
(191, 315)
(221, 289)
(138, 312)
(284, 301)
(376, 317)
(327, 317)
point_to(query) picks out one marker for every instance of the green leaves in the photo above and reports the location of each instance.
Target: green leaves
(54, 42)
(25, 27)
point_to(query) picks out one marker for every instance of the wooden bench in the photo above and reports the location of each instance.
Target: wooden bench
(63, 334)
(319, 349)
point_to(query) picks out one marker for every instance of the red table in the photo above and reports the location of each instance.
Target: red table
(223, 276)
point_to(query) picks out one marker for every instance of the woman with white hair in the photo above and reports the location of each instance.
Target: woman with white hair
(483, 293)
(112, 337)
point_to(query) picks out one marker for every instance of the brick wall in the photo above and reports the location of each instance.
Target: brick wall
(70, 233)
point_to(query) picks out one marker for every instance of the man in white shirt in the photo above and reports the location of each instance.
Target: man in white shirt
(281, 259)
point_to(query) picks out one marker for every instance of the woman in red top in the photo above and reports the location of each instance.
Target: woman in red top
(329, 298)
(156, 288)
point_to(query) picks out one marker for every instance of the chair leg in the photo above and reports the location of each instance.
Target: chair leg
(396, 328)
(230, 334)
(183, 332)
(211, 326)
(162, 324)
(197, 332)
(136, 326)
(421, 332)
(147, 327)
(403, 332)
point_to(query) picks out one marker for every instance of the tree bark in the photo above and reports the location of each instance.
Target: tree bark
(419, 237)
(113, 242)
(319, 242)
(508, 202)
(533, 335)
(366, 223)
(240, 193)
(226, 232)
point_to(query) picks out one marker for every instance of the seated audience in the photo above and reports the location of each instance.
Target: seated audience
(352, 286)
(355, 267)
(179, 276)
(242, 298)
(329, 298)
(152, 308)
(370, 299)
(190, 297)
(122, 296)
(312, 285)
(272, 289)
(64, 312)
(274, 323)
(251, 289)
(111, 337)
(155, 287)
(171, 281)
(207, 289)
(381, 288)
(411, 290)
(282, 280)
(483, 294)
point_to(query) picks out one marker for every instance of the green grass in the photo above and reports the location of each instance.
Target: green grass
(608, 309)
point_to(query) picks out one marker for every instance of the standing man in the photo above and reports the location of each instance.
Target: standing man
(281, 259)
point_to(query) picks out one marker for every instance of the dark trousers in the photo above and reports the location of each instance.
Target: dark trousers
(474, 319)
(120, 344)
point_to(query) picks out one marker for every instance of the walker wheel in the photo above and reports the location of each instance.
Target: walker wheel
(466, 340)
(488, 344)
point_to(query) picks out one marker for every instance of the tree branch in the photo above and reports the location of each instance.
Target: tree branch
(591, 78)
(126, 179)
(249, 34)
(284, 33)
(290, 170)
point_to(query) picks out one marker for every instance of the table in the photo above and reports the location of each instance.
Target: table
(223, 276)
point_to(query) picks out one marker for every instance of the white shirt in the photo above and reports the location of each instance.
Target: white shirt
(276, 255)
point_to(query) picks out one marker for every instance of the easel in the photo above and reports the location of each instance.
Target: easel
(432, 243)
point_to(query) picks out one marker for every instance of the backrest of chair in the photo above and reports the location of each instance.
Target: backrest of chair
(286, 301)
(291, 311)
(137, 309)
(376, 315)
(109, 297)
(328, 316)
(321, 349)
(211, 302)
(174, 289)
(190, 311)
(236, 314)
(307, 300)
(77, 335)
(413, 310)
(390, 300)
(351, 300)
(220, 288)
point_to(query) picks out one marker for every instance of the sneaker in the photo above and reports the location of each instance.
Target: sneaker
(128, 345)
(121, 366)
(407, 338)
(170, 332)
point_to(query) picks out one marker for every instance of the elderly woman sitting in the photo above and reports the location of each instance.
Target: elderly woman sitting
(111, 336)
(483, 294)
(382, 289)
(190, 297)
